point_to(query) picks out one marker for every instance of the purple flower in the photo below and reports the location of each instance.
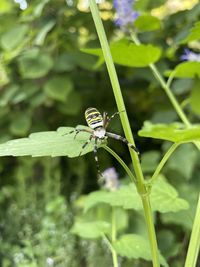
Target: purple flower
(124, 13)
(110, 177)
(190, 56)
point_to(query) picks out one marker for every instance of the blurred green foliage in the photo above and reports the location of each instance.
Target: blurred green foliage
(46, 82)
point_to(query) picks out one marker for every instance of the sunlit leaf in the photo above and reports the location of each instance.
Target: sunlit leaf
(164, 198)
(147, 23)
(91, 229)
(130, 54)
(40, 38)
(135, 247)
(52, 143)
(194, 33)
(188, 69)
(12, 38)
(175, 132)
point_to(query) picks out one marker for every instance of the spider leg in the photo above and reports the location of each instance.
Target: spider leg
(77, 131)
(123, 139)
(96, 159)
(108, 119)
(85, 144)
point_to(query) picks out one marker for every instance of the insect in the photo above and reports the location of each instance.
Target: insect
(98, 124)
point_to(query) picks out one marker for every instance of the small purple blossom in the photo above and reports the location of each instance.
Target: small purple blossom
(190, 56)
(111, 180)
(124, 13)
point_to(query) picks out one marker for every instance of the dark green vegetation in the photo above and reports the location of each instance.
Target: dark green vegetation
(47, 81)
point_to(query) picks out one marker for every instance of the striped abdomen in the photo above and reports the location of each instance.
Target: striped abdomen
(94, 118)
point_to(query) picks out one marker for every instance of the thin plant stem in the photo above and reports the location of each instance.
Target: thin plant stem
(114, 254)
(162, 162)
(126, 168)
(167, 89)
(113, 236)
(164, 86)
(127, 130)
(194, 245)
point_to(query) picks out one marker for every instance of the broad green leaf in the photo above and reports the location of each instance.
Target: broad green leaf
(194, 33)
(186, 70)
(51, 143)
(195, 97)
(12, 38)
(64, 62)
(129, 54)
(21, 125)
(185, 218)
(34, 64)
(58, 88)
(5, 6)
(40, 38)
(68, 106)
(174, 132)
(91, 230)
(8, 95)
(134, 246)
(164, 198)
(147, 23)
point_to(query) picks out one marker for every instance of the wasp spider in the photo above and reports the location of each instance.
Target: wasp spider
(98, 125)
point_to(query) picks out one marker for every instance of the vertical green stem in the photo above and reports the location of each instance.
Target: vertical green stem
(127, 130)
(113, 237)
(165, 87)
(114, 254)
(194, 244)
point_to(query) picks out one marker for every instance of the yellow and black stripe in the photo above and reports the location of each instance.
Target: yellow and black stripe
(93, 118)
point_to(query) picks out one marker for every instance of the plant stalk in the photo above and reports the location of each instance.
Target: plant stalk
(194, 245)
(127, 130)
(162, 162)
(126, 168)
(113, 236)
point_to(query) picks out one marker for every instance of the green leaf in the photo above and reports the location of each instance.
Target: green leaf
(126, 197)
(134, 246)
(164, 198)
(91, 230)
(68, 106)
(52, 143)
(186, 70)
(12, 38)
(194, 97)
(5, 6)
(21, 125)
(34, 64)
(174, 132)
(147, 23)
(40, 38)
(179, 162)
(194, 33)
(64, 62)
(129, 54)
(58, 88)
